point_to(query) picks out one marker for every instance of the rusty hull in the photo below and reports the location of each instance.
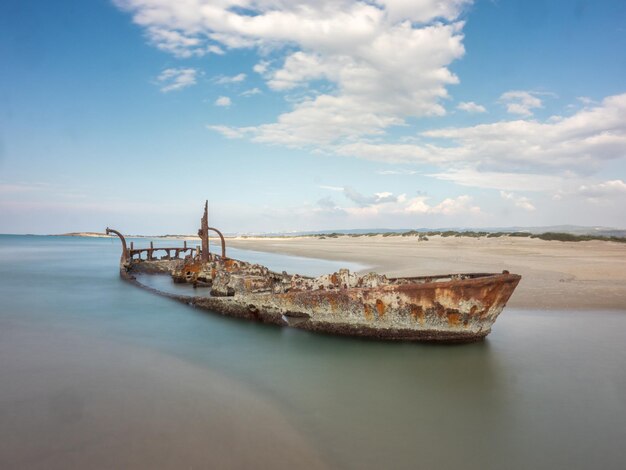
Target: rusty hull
(451, 308)
(455, 310)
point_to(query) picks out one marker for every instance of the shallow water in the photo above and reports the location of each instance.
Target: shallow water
(95, 372)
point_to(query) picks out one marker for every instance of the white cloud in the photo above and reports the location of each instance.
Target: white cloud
(176, 79)
(603, 192)
(212, 48)
(401, 171)
(423, 10)
(388, 203)
(363, 201)
(398, 153)
(251, 92)
(471, 107)
(378, 62)
(228, 132)
(611, 192)
(603, 189)
(500, 180)
(404, 206)
(332, 188)
(261, 67)
(521, 102)
(225, 102)
(298, 69)
(516, 155)
(225, 80)
(452, 206)
(577, 144)
(519, 201)
(179, 44)
(328, 206)
(586, 100)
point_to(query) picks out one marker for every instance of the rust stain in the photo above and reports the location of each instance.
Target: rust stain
(367, 311)
(440, 309)
(193, 268)
(453, 319)
(332, 300)
(380, 308)
(417, 312)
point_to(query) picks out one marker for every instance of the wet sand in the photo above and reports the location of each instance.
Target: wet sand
(555, 275)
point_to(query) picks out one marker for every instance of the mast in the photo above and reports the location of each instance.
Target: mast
(204, 233)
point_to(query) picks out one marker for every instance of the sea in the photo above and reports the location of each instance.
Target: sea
(97, 373)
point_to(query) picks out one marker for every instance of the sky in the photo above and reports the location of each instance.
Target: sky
(295, 115)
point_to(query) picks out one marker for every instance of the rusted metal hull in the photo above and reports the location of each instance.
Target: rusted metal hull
(417, 309)
(451, 308)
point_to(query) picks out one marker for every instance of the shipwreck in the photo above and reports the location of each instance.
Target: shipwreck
(445, 308)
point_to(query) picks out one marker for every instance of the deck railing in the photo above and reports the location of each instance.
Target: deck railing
(183, 252)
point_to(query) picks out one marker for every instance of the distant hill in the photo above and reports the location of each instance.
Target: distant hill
(83, 234)
(569, 229)
(572, 229)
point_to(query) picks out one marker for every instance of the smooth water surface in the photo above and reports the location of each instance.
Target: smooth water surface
(96, 373)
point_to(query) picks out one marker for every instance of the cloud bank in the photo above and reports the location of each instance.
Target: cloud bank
(378, 62)
(362, 67)
(351, 71)
(387, 203)
(578, 143)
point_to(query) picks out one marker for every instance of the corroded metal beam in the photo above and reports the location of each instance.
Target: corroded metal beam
(221, 240)
(124, 258)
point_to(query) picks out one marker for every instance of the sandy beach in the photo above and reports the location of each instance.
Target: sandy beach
(555, 275)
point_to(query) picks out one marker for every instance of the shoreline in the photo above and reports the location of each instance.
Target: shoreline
(555, 275)
(104, 235)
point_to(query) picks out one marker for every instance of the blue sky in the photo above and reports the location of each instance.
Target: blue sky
(302, 115)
